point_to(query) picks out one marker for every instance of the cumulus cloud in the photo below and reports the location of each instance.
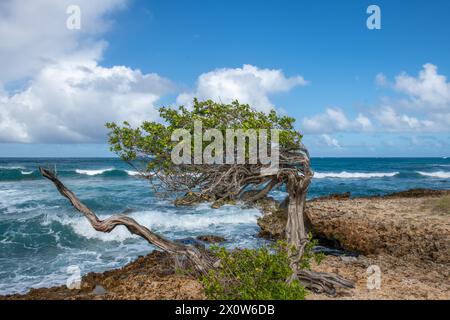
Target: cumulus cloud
(428, 95)
(335, 120)
(67, 96)
(34, 34)
(429, 87)
(424, 107)
(390, 121)
(248, 84)
(71, 101)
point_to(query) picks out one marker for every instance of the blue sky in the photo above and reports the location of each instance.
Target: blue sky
(353, 91)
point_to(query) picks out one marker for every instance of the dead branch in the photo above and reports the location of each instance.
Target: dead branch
(199, 258)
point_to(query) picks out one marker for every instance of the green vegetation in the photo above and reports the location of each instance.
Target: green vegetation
(442, 205)
(154, 139)
(256, 274)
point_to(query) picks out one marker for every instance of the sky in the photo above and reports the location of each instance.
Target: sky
(354, 91)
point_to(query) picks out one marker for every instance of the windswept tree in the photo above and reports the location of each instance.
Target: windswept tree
(218, 153)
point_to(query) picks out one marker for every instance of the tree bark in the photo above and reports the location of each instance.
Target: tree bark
(295, 231)
(198, 258)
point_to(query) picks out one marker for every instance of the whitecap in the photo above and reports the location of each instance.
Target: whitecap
(93, 172)
(132, 173)
(354, 175)
(26, 172)
(437, 174)
(200, 218)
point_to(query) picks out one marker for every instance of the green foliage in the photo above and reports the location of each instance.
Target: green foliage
(255, 274)
(152, 140)
(440, 205)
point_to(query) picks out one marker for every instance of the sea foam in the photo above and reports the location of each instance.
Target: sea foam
(436, 174)
(199, 219)
(93, 172)
(353, 175)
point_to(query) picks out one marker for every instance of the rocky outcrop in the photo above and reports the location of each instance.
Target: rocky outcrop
(152, 277)
(397, 225)
(401, 279)
(211, 239)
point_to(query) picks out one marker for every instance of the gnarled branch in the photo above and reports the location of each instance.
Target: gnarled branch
(199, 258)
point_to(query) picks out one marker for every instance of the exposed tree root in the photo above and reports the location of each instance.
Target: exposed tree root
(319, 282)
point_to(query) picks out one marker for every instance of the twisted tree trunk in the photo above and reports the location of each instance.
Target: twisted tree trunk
(199, 259)
(295, 231)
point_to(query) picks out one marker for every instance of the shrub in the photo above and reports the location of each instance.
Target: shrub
(256, 274)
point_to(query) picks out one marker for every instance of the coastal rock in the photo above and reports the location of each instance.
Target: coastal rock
(402, 225)
(152, 277)
(211, 239)
(191, 241)
(400, 279)
(273, 225)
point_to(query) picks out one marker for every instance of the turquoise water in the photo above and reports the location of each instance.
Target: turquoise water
(41, 234)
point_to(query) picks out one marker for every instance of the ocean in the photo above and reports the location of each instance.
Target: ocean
(41, 235)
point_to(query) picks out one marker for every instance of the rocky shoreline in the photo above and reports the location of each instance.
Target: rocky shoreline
(407, 235)
(404, 224)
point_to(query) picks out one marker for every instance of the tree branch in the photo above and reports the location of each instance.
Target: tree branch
(199, 258)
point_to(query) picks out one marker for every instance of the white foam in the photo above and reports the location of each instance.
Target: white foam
(199, 218)
(437, 174)
(93, 172)
(26, 172)
(353, 175)
(132, 173)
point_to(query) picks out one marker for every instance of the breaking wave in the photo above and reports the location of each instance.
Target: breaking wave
(354, 175)
(93, 172)
(436, 174)
(20, 173)
(167, 222)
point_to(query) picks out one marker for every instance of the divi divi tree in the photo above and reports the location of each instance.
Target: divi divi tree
(219, 153)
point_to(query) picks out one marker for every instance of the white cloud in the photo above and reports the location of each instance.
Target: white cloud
(380, 79)
(424, 108)
(335, 120)
(331, 142)
(34, 34)
(429, 87)
(69, 96)
(71, 101)
(389, 120)
(248, 84)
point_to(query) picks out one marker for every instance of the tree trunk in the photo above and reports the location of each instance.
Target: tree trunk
(297, 239)
(197, 258)
(295, 230)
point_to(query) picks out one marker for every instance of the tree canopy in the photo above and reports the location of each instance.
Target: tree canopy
(148, 148)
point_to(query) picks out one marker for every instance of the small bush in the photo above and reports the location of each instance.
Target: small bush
(255, 274)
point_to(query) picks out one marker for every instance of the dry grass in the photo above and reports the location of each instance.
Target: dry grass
(440, 205)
